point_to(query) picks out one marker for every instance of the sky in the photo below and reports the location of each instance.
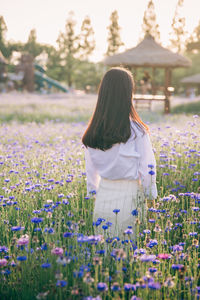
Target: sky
(48, 17)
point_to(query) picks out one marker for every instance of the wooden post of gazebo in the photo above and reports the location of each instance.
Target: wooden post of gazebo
(167, 92)
(153, 81)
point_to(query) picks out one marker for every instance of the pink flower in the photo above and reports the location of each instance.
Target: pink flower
(57, 251)
(164, 256)
(3, 262)
(23, 240)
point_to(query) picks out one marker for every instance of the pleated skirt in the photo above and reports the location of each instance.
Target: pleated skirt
(127, 199)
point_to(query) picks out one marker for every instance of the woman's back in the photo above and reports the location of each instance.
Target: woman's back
(128, 160)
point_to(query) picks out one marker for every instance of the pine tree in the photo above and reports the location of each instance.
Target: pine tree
(178, 34)
(68, 44)
(32, 46)
(150, 25)
(7, 47)
(114, 39)
(3, 30)
(193, 42)
(87, 42)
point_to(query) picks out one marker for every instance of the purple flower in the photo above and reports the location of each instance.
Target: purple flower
(3, 249)
(46, 265)
(127, 287)
(151, 166)
(147, 258)
(146, 231)
(177, 248)
(67, 234)
(154, 285)
(177, 267)
(134, 212)
(116, 210)
(151, 220)
(109, 223)
(61, 283)
(152, 243)
(21, 258)
(101, 286)
(36, 220)
(115, 287)
(16, 228)
(152, 270)
(128, 231)
(102, 251)
(192, 233)
(151, 172)
(105, 227)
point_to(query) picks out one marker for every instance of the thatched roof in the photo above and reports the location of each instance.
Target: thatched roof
(192, 79)
(2, 59)
(148, 53)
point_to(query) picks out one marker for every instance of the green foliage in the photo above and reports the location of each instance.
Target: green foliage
(53, 66)
(193, 43)
(7, 47)
(88, 75)
(178, 34)
(32, 46)
(189, 108)
(180, 73)
(114, 39)
(87, 42)
(68, 48)
(3, 45)
(150, 25)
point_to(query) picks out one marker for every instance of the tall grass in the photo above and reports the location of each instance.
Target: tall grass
(189, 108)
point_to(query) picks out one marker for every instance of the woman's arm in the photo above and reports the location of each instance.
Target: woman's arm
(91, 173)
(147, 166)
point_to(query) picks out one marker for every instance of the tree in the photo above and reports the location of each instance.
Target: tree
(150, 25)
(87, 42)
(3, 30)
(114, 39)
(32, 46)
(178, 34)
(68, 48)
(7, 48)
(193, 43)
(53, 66)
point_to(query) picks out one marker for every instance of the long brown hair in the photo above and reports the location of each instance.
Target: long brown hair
(110, 123)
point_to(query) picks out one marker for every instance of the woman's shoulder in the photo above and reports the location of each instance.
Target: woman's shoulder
(137, 130)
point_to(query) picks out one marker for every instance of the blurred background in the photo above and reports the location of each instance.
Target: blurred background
(63, 48)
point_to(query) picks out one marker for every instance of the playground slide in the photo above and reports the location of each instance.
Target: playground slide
(40, 78)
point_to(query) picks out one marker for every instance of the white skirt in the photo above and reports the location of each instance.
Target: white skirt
(128, 197)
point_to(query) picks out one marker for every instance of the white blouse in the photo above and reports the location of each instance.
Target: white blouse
(130, 160)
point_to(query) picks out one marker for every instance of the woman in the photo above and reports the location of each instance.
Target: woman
(120, 163)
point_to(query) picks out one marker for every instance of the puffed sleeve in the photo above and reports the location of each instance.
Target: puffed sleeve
(147, 166)
(91, 174)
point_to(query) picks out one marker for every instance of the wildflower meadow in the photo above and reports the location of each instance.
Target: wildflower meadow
(48, 249)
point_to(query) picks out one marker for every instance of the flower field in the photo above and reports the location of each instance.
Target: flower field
(47, 247)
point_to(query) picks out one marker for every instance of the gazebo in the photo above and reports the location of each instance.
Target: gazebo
(148, 53)
(191, 81)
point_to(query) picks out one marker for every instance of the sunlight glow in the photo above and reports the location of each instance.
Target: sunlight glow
(48, 17)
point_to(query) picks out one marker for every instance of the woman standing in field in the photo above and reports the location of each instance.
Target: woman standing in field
(120, 163)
